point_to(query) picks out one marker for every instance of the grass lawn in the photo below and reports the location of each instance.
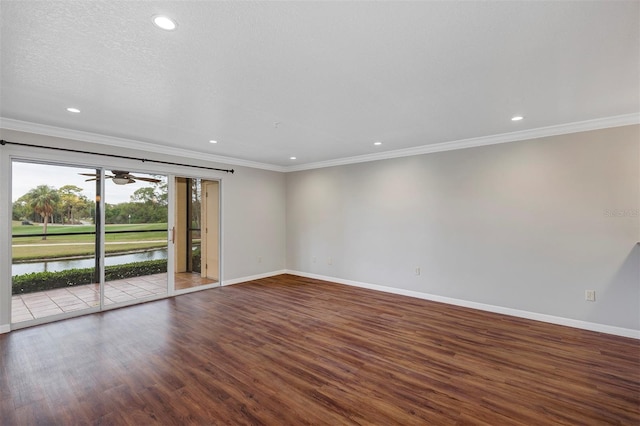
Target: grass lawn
(76, 245)
(52, 229)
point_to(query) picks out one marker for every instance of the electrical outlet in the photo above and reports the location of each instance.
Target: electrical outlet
(590, 295)
(259, 259)
(418, 271)
(329, 261)
(313, 259)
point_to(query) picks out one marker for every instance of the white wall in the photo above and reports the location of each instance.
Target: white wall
(253, 205)
(522, 225)
(254, 217)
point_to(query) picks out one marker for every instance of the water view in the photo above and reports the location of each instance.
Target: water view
(62, 265)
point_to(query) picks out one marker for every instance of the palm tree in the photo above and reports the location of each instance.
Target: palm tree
(43, 199)
(69, 195)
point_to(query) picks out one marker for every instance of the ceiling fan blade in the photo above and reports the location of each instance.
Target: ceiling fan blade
(96, 177)
(146, 179)
(88, 174)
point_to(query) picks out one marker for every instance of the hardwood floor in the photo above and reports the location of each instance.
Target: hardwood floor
(291, 351)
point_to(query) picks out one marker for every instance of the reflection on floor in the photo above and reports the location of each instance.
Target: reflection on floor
(191, 279)
(42, 304)
(51, 302)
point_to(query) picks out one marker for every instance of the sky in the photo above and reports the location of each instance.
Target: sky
(27, 176)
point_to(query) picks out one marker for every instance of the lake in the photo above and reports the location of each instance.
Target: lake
(62, 265)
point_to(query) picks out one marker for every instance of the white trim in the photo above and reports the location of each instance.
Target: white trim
(78, 135)
(253, 277)
(561, 129)
(6, 167)
(602, 328)
(5, 328)
(221, 234)
(581, 126)
(171, 223)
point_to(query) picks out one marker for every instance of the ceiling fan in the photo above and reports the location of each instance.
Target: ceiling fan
(121, 178)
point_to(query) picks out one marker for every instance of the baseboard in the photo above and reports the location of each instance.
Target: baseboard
(253, 277)
(585, 325)
(5, 328)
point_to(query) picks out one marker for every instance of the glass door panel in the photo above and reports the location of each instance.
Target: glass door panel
(53, 244)
(135, 237)
(196, 233)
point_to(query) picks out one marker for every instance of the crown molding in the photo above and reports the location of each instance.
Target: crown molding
(581, 126)
(78, 135)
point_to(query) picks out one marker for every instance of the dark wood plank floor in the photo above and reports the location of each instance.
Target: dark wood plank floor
(292, 351)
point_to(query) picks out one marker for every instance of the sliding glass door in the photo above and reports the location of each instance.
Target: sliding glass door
(54, 259)
(84, 239)
(91, 238)
(196, 233)
(135, 237)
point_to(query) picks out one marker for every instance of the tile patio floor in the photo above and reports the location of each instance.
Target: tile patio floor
(51, 302)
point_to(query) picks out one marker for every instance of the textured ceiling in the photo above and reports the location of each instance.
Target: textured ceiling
(335, 76)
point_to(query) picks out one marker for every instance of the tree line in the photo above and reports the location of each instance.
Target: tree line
(68, 205)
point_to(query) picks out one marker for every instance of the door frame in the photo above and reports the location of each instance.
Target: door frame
(10, 153)
(82, 162)
(173, 218)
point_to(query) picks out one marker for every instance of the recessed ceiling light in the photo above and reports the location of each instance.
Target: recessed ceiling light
(212, 141)
(377, 143)
(517, 118)
(164, 22)
(75, 110)
(292, 158)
